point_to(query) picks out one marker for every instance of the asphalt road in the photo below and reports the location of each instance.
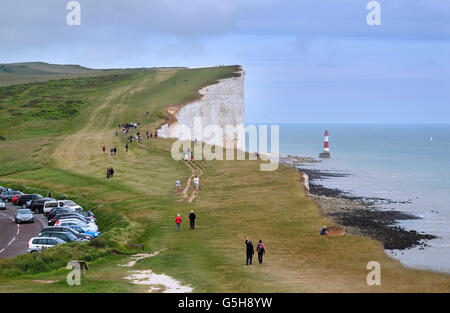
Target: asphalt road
(14, 237)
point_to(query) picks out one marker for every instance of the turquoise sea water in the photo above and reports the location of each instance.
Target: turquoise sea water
(397, 162)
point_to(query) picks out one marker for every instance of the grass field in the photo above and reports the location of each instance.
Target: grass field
(53, 133)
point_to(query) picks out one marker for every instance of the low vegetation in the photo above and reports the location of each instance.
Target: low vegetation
(139, 205)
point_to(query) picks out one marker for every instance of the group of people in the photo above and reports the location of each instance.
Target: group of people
(109, 172)
(260, 248)
(196, 184)
(179, 220)
(112, 151)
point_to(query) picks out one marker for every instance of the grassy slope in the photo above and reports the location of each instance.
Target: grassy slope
(139, 205)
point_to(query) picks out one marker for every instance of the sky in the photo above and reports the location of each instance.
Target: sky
(310, 61)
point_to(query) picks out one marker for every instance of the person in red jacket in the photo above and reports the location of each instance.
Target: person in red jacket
(178, 222)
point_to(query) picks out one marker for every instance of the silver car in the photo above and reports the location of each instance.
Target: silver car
(2, 205)
(24, 216)
(37, 243)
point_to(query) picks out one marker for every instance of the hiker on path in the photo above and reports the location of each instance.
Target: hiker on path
(178, 222)
(108, 173)
(126, 147)
(104, 148)
(250, 251)
(177, 186)
(192, 217)
(324, 231)
(261, 249)
(111, 171)
(115, 150)
(111, 151)
(196, 182)
(117, 133)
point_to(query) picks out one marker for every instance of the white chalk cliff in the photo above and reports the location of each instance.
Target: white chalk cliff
(221, 104)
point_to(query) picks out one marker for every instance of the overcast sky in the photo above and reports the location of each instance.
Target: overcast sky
(305, 61)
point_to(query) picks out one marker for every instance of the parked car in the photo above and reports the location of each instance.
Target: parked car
(23, 199)
(2, 205)
(67, 229)
(69, 215)
(87, 226)
(15, 198)
(55, 211)
(24, 216)
(66, 236)
(7, 195)
(80, 229)
(37, 205)
(36, 243)
(61, 203)
(4, 189)
(87, 214)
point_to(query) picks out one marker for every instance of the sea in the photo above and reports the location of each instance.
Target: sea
(405, 163)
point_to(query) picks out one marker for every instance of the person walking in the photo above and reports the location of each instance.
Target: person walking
(108, 173)
(126, 147)
(178, 221)
(196, 182)
(177, 186)
(250, 251)
(192, 217)
(261, 249)
(104, 148)
(115, 150)
(111, 171)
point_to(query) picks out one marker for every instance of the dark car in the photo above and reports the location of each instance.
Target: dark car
(56, 211)
(24, 216)
(37, 205)
(64, 229)
(87, 214)
(7, 195)
(66, 236)
(23, 199)
(66, 216)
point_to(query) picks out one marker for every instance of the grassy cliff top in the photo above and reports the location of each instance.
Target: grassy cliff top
(53, 134)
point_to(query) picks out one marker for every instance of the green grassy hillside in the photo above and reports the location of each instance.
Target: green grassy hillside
(53, 133)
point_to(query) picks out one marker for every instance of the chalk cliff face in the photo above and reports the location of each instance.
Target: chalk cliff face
(221, 104)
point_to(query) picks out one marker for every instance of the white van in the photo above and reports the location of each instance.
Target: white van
(49, 205)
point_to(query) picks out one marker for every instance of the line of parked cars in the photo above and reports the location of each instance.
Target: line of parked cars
(67, 221)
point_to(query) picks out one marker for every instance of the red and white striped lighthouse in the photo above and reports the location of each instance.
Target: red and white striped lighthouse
(326, 147)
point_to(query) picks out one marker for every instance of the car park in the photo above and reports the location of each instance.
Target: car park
(7, 195)
(66, 236)
(37, 205)
(37, 243)
(67, 229)
(2, 205)
(24, 216)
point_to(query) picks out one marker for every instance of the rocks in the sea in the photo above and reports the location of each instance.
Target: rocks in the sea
(359, 215)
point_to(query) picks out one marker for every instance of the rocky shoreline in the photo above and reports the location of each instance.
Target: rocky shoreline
(360, 215)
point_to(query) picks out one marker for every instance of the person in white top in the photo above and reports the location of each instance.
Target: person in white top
(177, 185)
(196, 182)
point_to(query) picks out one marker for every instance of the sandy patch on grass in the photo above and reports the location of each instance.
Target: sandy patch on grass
(157, 282)
(40, 281)
(139, 256)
